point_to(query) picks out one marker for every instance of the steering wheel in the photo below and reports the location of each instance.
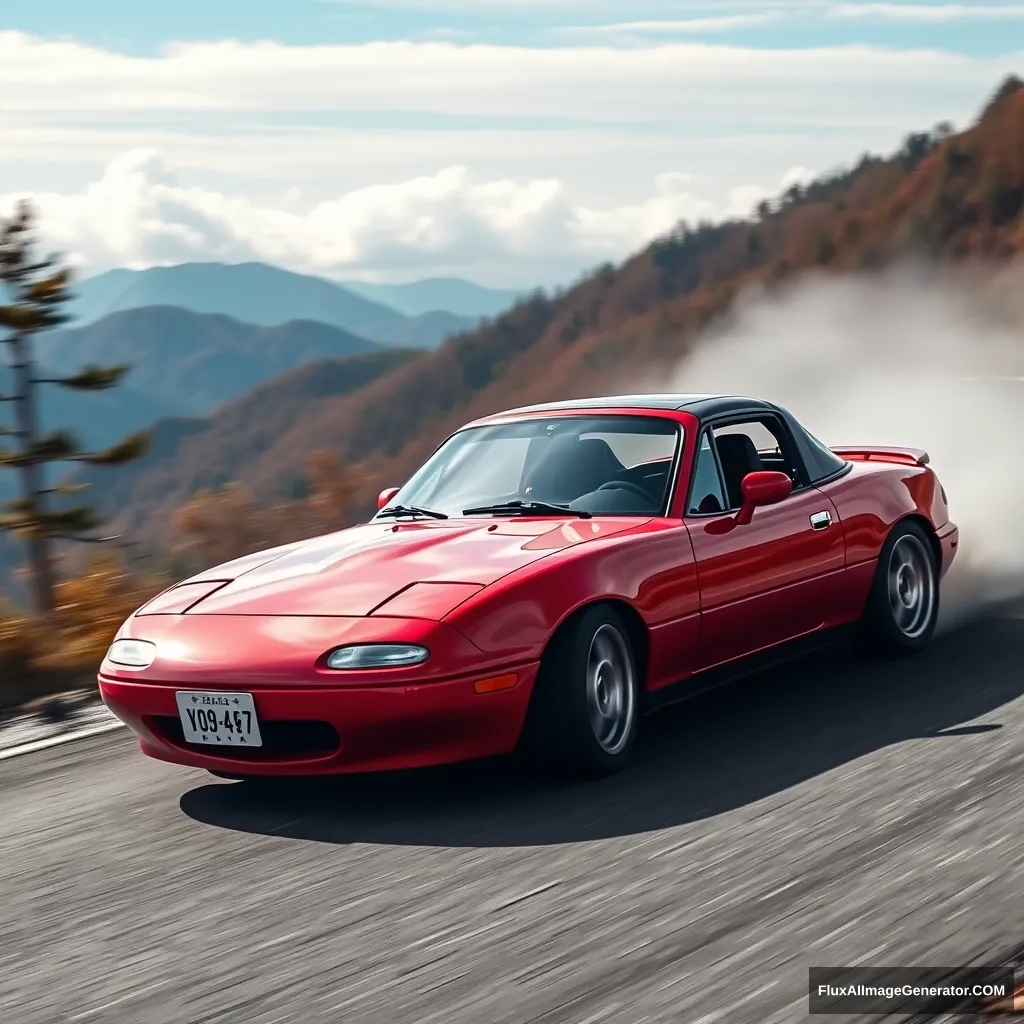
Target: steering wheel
(627, 485)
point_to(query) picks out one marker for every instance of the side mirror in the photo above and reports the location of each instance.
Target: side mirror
(385, 496)
(762, 488)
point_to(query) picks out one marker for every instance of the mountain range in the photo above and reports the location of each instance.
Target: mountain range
(942, 197)
(187, 454)
(192, 362)
(259, 294)
(186, 362)
(451, 294)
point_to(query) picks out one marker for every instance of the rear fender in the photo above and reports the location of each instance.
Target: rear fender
(878, 494)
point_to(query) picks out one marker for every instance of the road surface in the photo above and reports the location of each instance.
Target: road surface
(830, 814)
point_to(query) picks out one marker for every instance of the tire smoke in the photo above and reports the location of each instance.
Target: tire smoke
(925, 359)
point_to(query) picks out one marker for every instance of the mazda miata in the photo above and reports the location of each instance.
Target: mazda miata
(548, 576)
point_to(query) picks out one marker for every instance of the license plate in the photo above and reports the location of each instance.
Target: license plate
(219, 719)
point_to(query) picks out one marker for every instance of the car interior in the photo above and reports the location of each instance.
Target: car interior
(742, 448)
(585, 473)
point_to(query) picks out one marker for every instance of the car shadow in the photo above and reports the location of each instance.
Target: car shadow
(712, 754)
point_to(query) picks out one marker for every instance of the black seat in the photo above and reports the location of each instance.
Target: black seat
(571, 467)
(738, 456)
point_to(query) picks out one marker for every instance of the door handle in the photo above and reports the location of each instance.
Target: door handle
(821, 520)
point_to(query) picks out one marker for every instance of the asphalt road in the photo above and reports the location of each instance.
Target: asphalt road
(835, 813)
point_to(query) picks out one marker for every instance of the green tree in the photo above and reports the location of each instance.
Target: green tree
(35, 292)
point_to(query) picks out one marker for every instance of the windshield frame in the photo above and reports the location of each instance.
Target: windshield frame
(675, 425)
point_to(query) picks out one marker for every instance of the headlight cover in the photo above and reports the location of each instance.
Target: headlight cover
(132, 653)
(359, 656)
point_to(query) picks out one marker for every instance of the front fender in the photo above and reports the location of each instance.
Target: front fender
(651, 571)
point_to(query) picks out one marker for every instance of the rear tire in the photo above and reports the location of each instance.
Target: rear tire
(903, 603)
(585, 707)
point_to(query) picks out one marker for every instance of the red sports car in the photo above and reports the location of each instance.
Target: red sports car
(547, 576)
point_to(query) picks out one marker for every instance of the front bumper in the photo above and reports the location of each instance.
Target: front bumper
(319, 730)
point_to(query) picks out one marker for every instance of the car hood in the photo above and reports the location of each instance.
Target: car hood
(358, 571)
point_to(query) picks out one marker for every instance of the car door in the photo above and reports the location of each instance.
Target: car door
(772, 579)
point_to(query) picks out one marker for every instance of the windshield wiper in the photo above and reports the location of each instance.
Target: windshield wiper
(409, 510)
(527, 508)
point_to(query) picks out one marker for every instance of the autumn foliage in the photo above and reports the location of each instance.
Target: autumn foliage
(67, 646)
(216, 526)
(91, 605)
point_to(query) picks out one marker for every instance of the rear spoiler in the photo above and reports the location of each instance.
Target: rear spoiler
(906, 456)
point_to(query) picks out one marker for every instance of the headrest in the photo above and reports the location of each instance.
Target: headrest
(572, 466)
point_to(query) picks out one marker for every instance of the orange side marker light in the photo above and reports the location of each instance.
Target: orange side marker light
(496, 684)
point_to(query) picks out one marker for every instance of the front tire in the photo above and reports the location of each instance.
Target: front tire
(585, 707)
(903, 603)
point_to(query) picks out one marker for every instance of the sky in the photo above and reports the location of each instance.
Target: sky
(512, 142)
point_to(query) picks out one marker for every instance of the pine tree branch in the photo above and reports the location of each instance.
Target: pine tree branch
(90, 378)
(132, 447)
(87, 540)
(13, 521)
(19, 506)
(77, 519)
(65, 489)
(23, 517)
(60, 446)
(19, 319)
(52, 289)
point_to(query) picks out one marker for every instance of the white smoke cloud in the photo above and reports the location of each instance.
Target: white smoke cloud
(140, 212)
(680, 78)
(912, 359)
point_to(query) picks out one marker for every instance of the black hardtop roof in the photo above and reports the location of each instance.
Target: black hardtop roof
(702, 406)
(819, 461)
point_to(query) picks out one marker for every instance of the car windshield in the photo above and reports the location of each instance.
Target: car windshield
(602, 466)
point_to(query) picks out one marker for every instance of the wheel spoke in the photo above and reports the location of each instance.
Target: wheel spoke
(894, 588)
(609, 689)
(910, 586)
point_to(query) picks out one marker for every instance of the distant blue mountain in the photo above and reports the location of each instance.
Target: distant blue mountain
(451, 294)
(256, 293)
(189, 363)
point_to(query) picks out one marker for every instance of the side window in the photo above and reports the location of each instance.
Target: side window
(765, 440)
(706, 495)
(828, 463)
(751, 446)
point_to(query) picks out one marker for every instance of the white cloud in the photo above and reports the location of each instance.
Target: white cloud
(139, 213)
(721, 23)
(797, 176)
(600, 83)
(503, 161)
(928, 13)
